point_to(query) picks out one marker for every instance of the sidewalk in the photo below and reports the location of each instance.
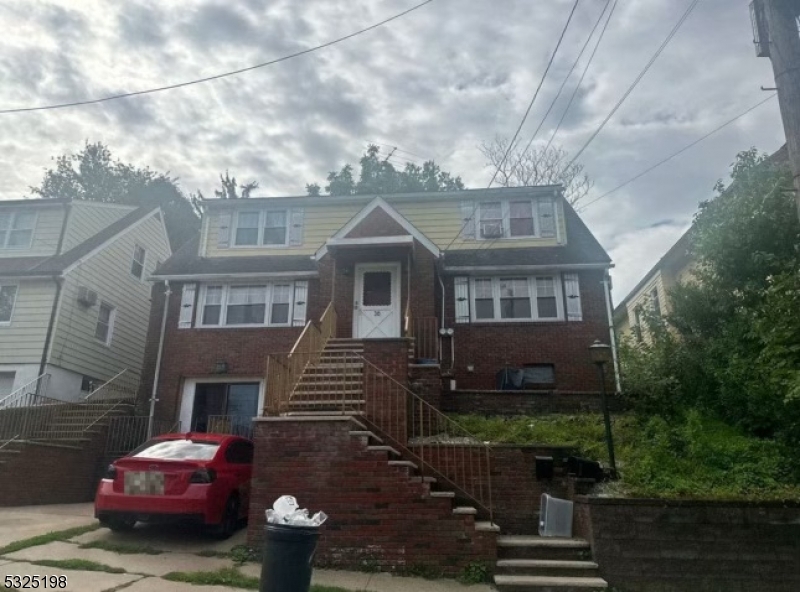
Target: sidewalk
(144, 556)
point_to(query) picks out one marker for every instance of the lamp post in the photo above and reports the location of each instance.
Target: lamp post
(600, 354)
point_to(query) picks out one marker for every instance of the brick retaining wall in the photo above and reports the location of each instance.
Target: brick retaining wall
(523, 402)
(697, 546)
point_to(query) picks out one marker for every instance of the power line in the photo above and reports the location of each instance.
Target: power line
(536, 94)
(216, 76)
(638, 79)
(521, 123)
(678, 153)
(583, 75)
(566, 78)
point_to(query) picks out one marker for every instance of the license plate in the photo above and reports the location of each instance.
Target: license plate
(144, 483)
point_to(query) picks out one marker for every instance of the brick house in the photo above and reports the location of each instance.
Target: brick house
(345, 324)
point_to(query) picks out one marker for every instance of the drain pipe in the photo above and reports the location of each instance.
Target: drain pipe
(612, 334)
(153, 399)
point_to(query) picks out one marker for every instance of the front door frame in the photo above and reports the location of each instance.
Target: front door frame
(395, 267)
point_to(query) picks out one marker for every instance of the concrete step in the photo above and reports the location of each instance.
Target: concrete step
(447, 494)
(465, 511)
(506, 583)
(366, 434)
(547, 567)
(381, 448)
(535, 547)
(486, 526)
(403, 464)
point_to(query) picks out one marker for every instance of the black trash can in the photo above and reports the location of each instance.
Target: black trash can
(288, 555)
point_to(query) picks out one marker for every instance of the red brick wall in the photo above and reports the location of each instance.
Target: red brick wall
(702, 546)
(489, 347)
(48, 474)
(524, 402)
(386, 400)
(377, 515)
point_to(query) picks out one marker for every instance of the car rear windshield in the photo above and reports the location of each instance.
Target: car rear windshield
(177, 450)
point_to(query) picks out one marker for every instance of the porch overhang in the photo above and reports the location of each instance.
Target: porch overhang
(335, 244)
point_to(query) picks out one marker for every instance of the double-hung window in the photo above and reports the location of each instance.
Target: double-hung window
(536, 298)
(16, 229)
(137, 265)
(261, 227)
(516, 218)
(246, 305)
(8, 296)
(105, 323)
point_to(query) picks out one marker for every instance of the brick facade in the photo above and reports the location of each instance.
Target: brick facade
(675, 546)
(490, 347)
(378, 516)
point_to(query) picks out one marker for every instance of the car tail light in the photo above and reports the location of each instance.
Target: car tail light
(203, 476)
(111, 472)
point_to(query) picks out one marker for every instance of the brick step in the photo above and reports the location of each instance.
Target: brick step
(535, 547)
(366, 434)
(547, 567)
(418, 479)
(506, 583)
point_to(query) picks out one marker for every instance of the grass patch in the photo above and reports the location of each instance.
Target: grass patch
(211, 553)
(122, 548)
(78, 565)
(692, 456)
(50, 537)
(229, 576)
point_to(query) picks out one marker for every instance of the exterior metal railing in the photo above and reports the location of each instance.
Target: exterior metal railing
(128, 433)
(31, 417)
(439, 446)
(123, 385)
(234, 425)
(37, 386)
(426, 338)
(285, 370)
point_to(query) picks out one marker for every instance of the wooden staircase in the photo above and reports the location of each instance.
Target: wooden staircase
(334, 384)
(545, 564)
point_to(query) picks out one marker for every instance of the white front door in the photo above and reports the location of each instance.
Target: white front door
(376, 306)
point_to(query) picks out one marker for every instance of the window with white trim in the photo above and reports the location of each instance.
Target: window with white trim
(8, 297)
(16, 229)
(238, 305)
(104, 328)
(261, 227)
(520, 298)
(137, 265)
(516, 218)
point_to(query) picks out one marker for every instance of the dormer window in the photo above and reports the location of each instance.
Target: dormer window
(265, 227)
(516, 218)
(16, 229)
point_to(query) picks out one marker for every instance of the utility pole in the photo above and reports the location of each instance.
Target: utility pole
(775, 23)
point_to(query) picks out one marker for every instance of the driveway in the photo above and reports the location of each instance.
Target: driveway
(137, 561)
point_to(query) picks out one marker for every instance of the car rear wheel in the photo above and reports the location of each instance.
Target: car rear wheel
(119, 524)
(230, 519)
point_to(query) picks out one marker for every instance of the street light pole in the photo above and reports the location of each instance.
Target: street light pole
(600, 355)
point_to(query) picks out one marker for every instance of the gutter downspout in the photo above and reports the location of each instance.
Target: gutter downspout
(154, 392)
(59, 282)
(611, 332)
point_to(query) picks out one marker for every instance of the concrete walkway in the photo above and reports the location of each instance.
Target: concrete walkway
(179, 552)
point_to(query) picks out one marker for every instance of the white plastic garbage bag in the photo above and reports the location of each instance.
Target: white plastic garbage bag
(285, 511)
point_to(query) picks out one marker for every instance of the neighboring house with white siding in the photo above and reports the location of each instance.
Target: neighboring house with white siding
(74, 300)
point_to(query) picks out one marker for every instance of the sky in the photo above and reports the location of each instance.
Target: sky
(436, 84)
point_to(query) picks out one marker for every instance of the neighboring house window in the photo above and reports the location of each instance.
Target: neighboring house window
(137, 265)
(536, 298)
(655, 302)
(105, 323)
(247, 305)
(7, 383)
(538, 374)
(8, 296)
(16, 229)
(637, 327)
(521, 218)
(265, 227)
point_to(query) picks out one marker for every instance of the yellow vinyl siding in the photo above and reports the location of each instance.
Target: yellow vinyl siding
(642, 297)
(75, 346)
(439, 220)
(46, 232)
(87, 219)
(22, 341)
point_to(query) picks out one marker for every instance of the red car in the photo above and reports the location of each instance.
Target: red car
(203, 478)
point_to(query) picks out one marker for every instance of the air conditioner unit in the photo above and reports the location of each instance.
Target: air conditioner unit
(491, 229)
(86, 296)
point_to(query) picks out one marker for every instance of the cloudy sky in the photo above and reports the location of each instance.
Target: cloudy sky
(435, 84)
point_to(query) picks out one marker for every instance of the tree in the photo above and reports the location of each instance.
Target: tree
(379, 176)
(548, 165)
(731, 343)
(92, 175)
(230, 188)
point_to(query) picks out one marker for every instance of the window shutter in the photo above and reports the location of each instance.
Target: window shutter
(462, 299)
(187, 306)
(468, 212)
(300, 303)
(296, 227)
(547, 218)
(224, 229)
(572, 291)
